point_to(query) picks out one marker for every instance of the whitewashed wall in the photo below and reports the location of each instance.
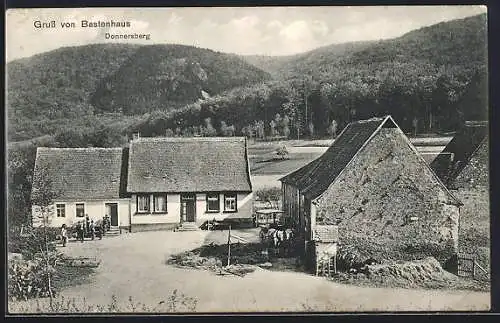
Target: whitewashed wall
(95, 209)
(172, 215)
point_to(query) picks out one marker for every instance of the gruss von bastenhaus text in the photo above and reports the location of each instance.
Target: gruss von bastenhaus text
(111, 23)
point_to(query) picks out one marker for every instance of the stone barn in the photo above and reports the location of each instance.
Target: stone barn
(373, 184)
(464, 162)
(463, 166)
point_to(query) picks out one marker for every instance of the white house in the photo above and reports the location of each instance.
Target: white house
(177, 180)
(156, 183)
(84, 181)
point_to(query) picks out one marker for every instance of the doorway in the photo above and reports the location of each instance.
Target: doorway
(112, 211)
(188, 207)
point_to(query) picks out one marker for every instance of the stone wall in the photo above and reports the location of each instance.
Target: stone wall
(474, 228)
(390, 205)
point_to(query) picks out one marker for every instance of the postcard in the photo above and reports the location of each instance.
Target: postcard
(247, 160)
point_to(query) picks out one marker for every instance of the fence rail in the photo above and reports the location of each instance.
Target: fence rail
(469, 267)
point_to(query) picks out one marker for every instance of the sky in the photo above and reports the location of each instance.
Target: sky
(244, 30)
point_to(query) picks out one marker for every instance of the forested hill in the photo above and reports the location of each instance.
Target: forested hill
(310, 62)
(430, 80)
(169, 76)
(53, 89)
(460, 42)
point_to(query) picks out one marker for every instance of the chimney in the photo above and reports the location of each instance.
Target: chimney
(136, 135)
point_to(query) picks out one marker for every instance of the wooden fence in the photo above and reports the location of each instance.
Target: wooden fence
(469, 267)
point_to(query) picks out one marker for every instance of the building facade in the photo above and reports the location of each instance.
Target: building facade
(156, 183)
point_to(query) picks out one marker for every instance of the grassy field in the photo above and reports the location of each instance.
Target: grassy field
(266, 168)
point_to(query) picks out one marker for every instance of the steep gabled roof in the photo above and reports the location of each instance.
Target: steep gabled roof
(314, 178)
(457, 154)
(80, 173)
(188, 165)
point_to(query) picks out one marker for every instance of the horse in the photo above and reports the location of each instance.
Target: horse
(278, 239)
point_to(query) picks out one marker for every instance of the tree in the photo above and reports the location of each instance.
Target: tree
(42, 198)
(414, 123)
(311, 129)
(285, 121)
(209, 129)
(332, 129)
(259, 129)
(278, 126)
(272, 128)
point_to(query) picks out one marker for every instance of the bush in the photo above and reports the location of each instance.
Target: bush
(32, 241)
(30, 278)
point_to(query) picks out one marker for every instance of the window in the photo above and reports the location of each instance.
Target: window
(230, 202)
(80, 210)
(213, 203)
(61, 210)
(160, 203)
(142, 203)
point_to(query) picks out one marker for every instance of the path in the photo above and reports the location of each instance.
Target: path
(134, 265)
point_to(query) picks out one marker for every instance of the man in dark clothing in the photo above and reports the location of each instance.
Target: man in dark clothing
(87, 225)
(80, 231)
(92, 229)
(108, 223)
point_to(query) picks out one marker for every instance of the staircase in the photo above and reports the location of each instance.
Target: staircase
(113, 232)
(188, 226)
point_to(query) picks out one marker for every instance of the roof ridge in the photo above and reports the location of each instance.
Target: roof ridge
(188, 139)
(80, 148)
(372, 119)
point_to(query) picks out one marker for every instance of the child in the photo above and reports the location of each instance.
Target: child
(64, 235)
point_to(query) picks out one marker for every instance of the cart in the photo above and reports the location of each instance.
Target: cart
(269, 218)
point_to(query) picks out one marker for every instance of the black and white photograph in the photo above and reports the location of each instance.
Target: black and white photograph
(190, 160)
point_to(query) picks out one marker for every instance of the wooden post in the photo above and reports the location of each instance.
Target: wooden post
(229, 246)
(335, 263)
(473, 268)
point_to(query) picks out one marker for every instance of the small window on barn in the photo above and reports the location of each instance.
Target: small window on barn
(142, 203)
(230, 202)
(160, 203)
(213, 203)
(80, 210)
(61, 210)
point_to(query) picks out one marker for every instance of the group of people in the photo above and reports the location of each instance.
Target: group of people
(87, 228)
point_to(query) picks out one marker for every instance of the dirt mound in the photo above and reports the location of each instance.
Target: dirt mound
(425, 273)
(411, 272)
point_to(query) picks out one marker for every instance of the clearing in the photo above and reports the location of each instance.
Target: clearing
(134, 265)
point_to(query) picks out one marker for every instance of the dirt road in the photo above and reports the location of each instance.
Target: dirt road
(134, 265)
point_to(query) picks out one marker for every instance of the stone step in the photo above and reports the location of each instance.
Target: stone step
(187, 226)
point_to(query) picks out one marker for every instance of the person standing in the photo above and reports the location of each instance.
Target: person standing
(108, 223)
(92, 229)
(80, 231)
(103, 226)
(87, 225)
(64, 235)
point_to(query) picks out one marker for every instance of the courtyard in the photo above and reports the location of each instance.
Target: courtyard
(134, 265)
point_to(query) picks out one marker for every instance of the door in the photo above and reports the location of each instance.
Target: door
(188, 207)
(112, 211)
